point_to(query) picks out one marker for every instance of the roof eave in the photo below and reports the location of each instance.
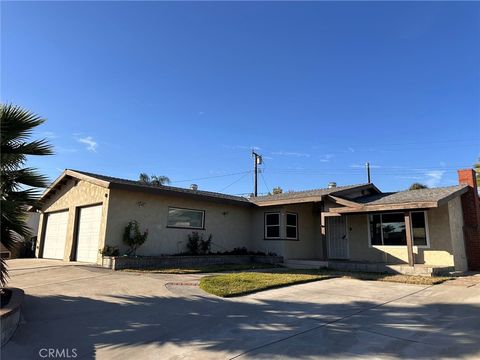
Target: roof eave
(386, 207)
(64, 177)
(340, 192)
(166, 191)
(449, 197)
(303, 200)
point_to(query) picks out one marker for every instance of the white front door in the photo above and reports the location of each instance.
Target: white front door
(55, 235)
(89, 233)
(337, 237)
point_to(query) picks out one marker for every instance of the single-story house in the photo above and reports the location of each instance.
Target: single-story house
(82, 213)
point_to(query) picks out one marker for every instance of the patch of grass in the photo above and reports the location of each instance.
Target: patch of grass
(206, 269)
(237, 284)
(397, 278)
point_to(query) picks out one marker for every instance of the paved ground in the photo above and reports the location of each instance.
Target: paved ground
(117, 315)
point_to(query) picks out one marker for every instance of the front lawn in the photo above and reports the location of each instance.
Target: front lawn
(237, 284)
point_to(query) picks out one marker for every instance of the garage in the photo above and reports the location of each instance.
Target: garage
(89, 220)
(55, 235)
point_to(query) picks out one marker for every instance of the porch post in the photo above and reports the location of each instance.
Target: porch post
(323, 235)
(408, 231)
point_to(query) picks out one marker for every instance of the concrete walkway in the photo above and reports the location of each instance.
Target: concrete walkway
(118, 315)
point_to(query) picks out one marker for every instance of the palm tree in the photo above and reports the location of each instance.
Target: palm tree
(153, 180)
(19, 184)
(417, 186)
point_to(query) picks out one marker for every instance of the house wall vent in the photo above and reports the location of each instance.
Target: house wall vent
(332, 184)
(194, 187)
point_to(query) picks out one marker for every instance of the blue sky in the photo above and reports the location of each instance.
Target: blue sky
(187, 89)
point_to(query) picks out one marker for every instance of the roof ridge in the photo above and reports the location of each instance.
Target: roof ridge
(426, 189)
(317, 189)
(166, 187)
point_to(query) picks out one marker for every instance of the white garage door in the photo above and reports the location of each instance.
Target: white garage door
(55, 235)
(88, 233)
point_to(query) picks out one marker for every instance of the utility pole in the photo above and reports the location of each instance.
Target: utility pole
(257, 160)
(367, 165)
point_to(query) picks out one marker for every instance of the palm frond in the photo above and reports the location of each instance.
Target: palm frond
(20, 186)
(17, 123)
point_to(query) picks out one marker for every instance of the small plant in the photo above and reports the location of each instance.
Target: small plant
(196, 245)
(109, 251)
(133, 237)
(205, 245)
(192, 244)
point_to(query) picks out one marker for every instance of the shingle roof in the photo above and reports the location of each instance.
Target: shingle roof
(292, 195)
(408, 196)
(163, 188)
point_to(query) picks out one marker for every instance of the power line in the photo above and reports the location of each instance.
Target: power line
(236, 181)
(349, 143)
(263, 178)
(212, 177)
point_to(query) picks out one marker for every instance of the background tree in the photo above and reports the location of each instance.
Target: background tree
(417, 186)
(153, 179)
(277, 190)
(476, 167)
(19, 184)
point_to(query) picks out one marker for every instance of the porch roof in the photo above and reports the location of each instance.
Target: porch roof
(402, 200)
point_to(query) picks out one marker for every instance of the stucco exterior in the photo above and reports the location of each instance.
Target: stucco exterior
(445, 246)
(309, 242)
(236, 222)
(72, 196)
(456, 233)
(228, 224)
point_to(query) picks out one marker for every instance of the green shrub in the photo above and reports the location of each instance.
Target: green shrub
(133, 237)
(110, 251)
(196, 245)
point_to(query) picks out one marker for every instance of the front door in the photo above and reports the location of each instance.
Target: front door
(337, 237)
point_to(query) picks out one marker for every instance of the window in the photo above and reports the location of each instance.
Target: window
(375, 229)
(291, 227)
(393, 228)
(186, 218)
(389, 229)
(272, 225)
(419, 228)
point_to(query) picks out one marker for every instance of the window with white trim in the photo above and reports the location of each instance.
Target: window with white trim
(291, 226)
(272, 225)
(186, 218)
(389, 229)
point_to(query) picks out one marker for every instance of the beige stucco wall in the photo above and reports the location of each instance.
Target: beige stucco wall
(70, 197)
(456, 232)
(309, 244)
(439, 253)
(230, 225)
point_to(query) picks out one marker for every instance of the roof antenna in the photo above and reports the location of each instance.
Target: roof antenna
(369, 179)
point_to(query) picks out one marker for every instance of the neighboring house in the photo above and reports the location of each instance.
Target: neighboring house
(83, 212)
(23, 247)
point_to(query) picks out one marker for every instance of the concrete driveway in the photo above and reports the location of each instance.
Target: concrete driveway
(117, 315)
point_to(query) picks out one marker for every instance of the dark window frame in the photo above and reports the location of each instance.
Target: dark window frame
(186, 227)
(265, 225)
(427, 232)
(295, 226)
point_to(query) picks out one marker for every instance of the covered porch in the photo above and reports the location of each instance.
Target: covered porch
(395, 233)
